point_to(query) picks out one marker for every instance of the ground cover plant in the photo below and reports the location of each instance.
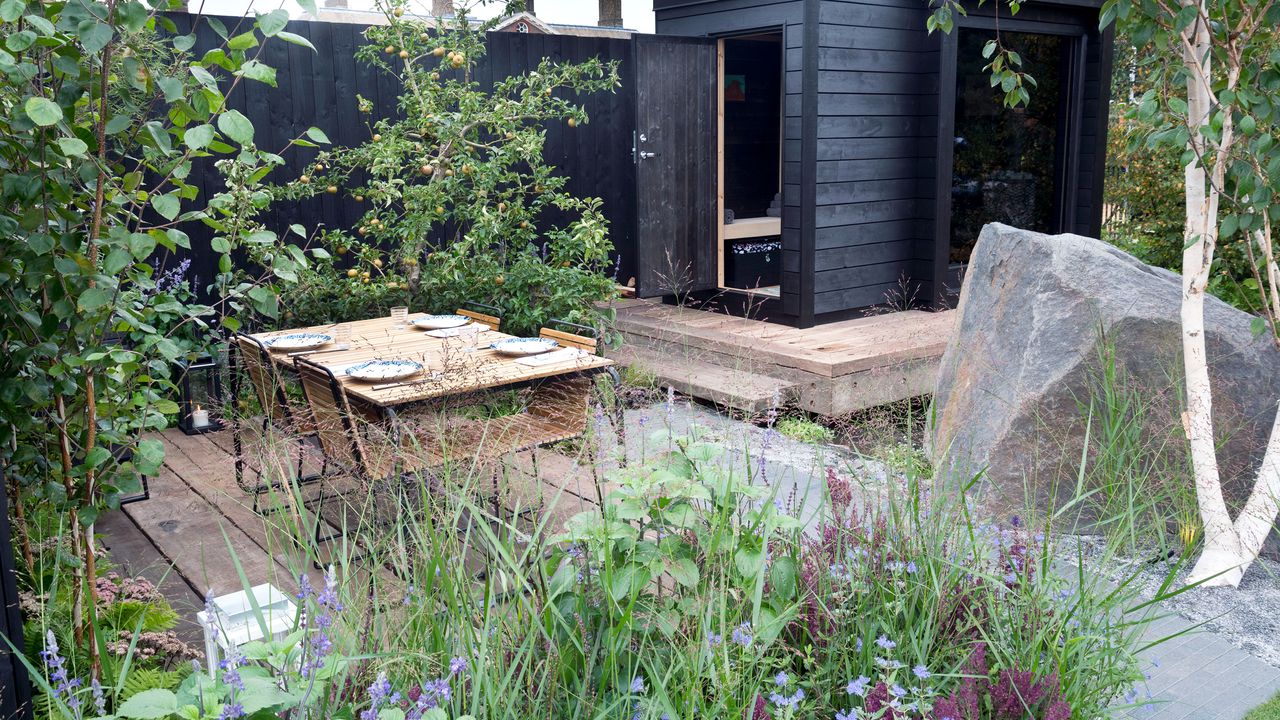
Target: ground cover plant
(462, 207)
(691, 592)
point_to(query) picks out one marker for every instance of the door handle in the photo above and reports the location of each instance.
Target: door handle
(645, 154)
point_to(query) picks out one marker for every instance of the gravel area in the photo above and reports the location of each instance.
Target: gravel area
(1248, 617)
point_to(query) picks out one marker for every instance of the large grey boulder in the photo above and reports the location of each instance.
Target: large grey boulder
(1015, 380)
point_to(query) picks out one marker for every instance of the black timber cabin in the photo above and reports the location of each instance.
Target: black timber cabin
(858, 154)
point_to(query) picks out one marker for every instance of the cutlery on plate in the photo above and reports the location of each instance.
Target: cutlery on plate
(317, 352)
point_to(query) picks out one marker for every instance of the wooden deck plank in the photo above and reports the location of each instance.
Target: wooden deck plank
(188, 532)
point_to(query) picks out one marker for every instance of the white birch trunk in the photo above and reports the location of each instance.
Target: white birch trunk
(1221, 555)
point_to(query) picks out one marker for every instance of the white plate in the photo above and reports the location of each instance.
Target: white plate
(439, 322)
(298, 341)
(524, 346)
(383, 370)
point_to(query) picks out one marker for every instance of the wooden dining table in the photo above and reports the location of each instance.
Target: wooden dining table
(455, 365)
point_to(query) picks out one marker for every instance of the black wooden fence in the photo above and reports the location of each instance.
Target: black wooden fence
(15, 687)
(319, 89)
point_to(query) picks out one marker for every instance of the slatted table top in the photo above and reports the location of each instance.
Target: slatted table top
(455, 365)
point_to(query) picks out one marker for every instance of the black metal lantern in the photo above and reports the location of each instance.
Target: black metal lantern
(201, 385)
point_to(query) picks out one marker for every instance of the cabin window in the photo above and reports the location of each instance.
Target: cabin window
(750, 157)
(1008, 162)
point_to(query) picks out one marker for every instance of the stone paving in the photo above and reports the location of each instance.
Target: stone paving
(1199, 675)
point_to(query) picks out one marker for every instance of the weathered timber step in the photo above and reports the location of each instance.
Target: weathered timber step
(740, 389)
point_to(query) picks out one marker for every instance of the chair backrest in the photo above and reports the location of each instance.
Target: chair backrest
(335, 426)
(582, 342)
(267, 384)
(481, 313)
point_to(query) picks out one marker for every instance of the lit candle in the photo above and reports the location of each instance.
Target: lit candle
(199, 417)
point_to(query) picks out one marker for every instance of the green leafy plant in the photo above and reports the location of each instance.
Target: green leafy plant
(459, 196)
(107, 112)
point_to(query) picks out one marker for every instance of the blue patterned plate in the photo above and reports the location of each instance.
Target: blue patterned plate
(439, 322)
(298, 341)
(524, 346)
(382, 370)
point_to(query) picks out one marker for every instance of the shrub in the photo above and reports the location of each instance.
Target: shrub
(462, 206)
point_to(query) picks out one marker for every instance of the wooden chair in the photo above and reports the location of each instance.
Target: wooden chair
(587, 340)
(269, 388)
(483, 314)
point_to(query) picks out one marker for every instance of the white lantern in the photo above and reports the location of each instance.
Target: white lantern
(233, 621)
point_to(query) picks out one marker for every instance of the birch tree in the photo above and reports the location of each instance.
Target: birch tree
(1216, 67)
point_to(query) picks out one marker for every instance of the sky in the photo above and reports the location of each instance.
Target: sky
(636, 14)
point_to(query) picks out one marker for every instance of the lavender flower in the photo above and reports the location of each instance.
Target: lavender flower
(852, 714)
(742, 635)
(56, 666)
(458, 666)
(714, 640)
(99, 697)
(380, 694)
(911, 568)
(859, 686)
(781, 679)
(320, 645)
(637, 685)
(921, 672)
(230, 667)
(885, 643)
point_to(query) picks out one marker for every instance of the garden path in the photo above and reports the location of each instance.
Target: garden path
(1201, 676)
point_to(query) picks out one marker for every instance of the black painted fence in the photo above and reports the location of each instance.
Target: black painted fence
(319, 89)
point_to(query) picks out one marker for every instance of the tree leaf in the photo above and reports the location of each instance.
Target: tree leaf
(273, 22)
(71, 146)
(318, 135)
(167, 205)
(261, 72)
(236, 126)
(94, 35)
(296, 40)
(94, 298)
(198, 137)
(11, 10)
(42, 111)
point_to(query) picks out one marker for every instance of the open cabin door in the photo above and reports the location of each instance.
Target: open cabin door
(675, 156)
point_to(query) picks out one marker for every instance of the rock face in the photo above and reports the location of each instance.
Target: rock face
(1037, 314)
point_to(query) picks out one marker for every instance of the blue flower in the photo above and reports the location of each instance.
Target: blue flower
(859, 686)
(851, 715)
(231, 711)
(781, 679)
(63, 685)
(911, 567)
(637, 685)
(714, 639)
(885, 643)
(921, 672)
(898, 691)
(458, 665)
(742, 635)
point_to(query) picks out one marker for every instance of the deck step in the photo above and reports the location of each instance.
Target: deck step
(740, 389)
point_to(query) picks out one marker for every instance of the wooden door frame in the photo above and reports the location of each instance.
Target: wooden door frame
(945, 152)
(781, 32)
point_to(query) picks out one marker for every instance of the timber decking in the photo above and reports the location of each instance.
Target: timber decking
(197, 516)
(830, 369)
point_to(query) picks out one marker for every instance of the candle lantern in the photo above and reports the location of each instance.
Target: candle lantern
(200, 382)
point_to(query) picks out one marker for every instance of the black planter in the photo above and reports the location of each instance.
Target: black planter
(753, 264)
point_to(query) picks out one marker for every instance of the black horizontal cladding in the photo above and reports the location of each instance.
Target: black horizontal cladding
(320, 89)
(727, 18)
(877, 88)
